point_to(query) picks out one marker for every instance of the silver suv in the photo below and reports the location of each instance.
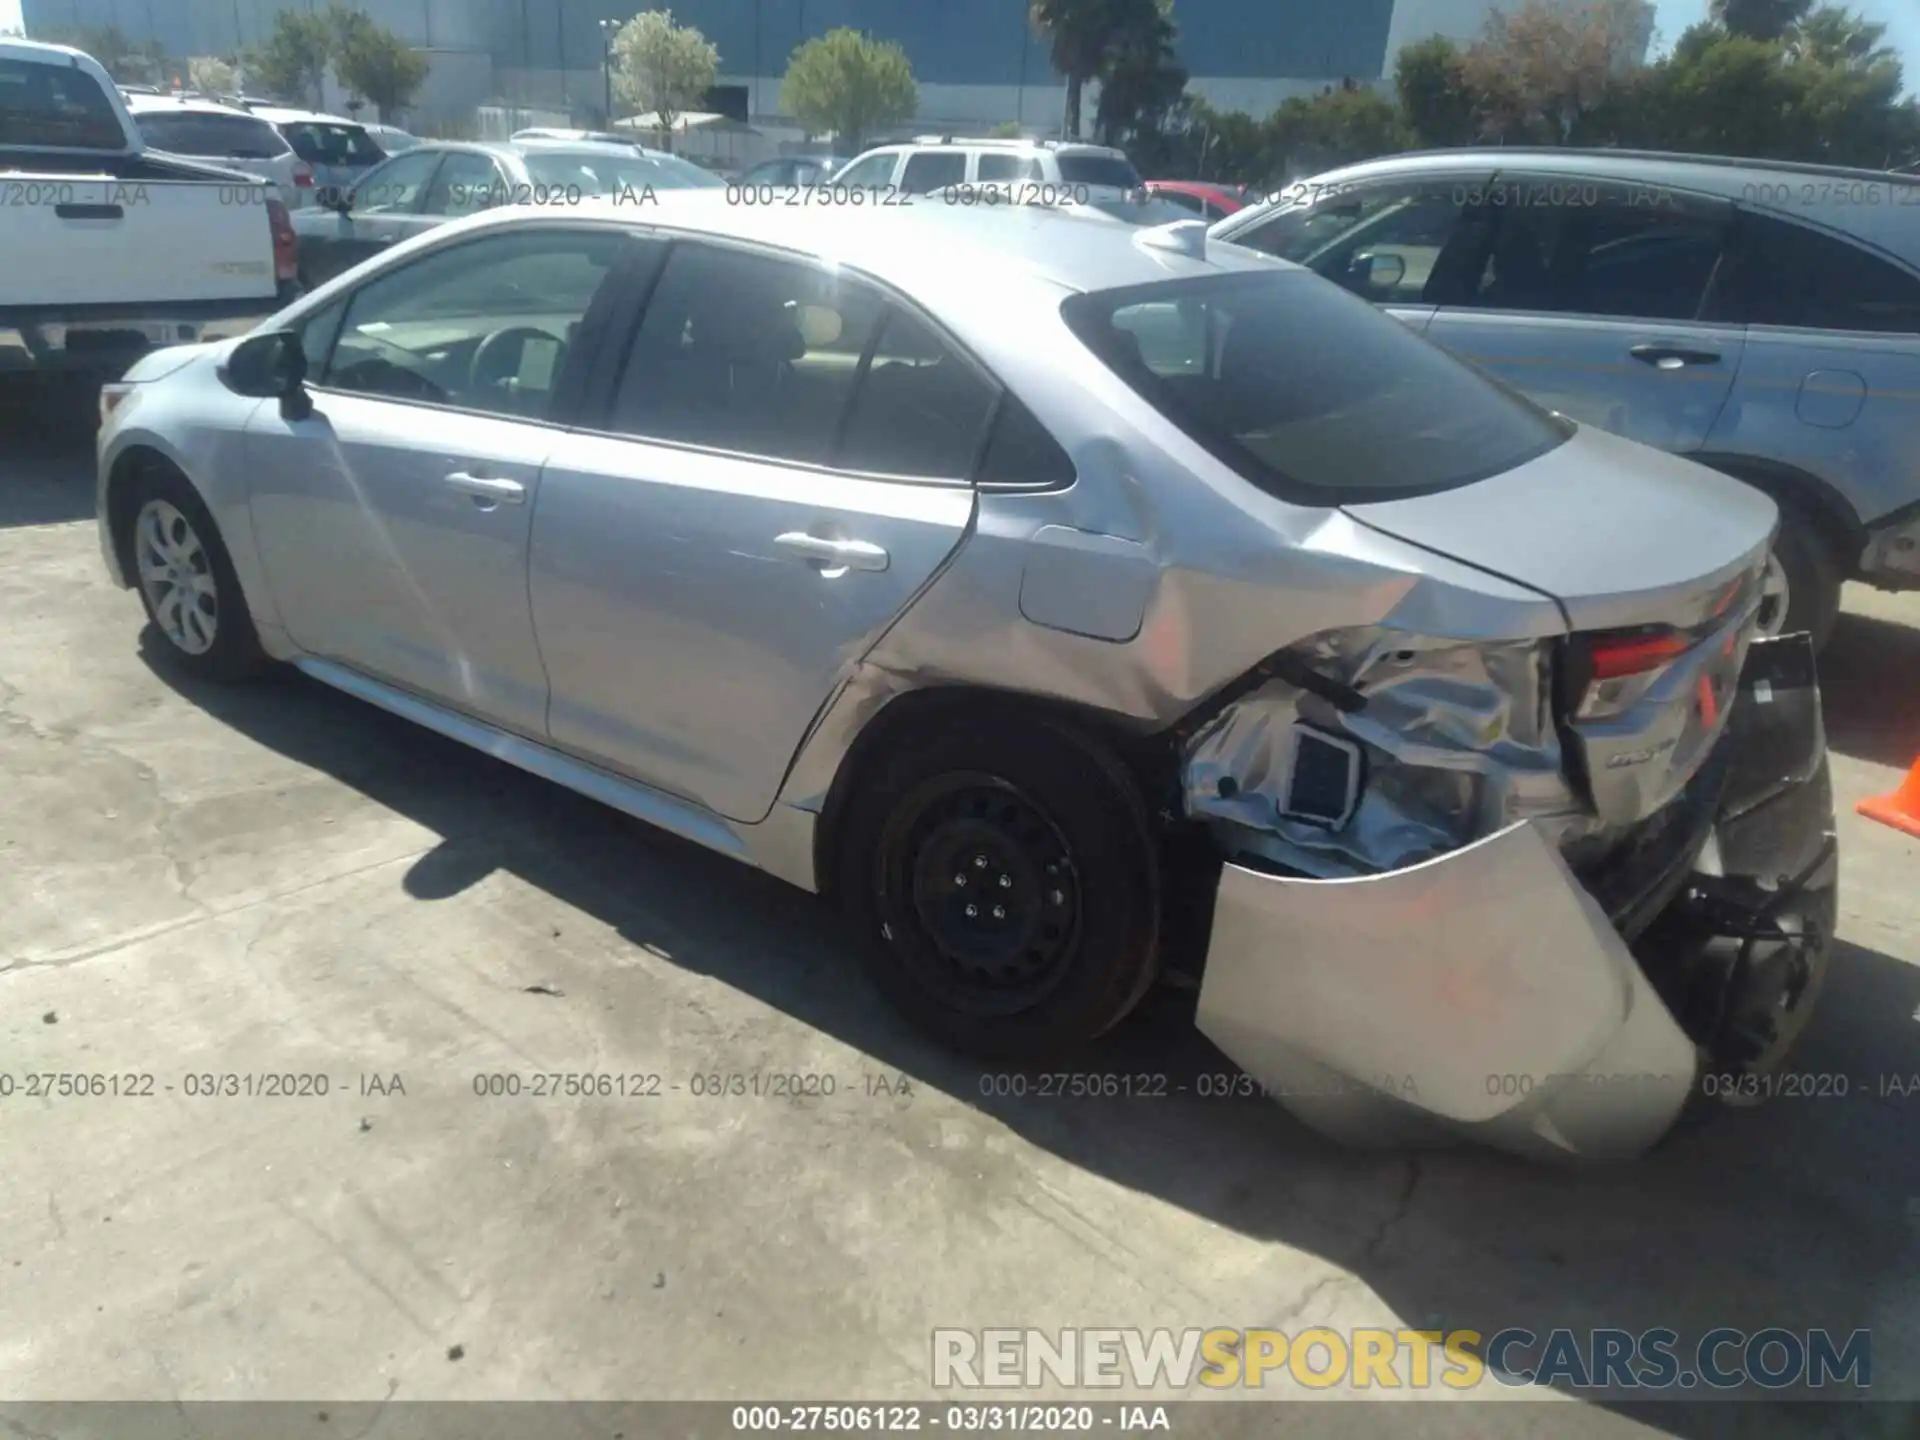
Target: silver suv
(1762, 318)
(932, 163)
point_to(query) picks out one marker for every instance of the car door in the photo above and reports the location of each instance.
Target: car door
(1831, 371)
(783, 466)
(1592, 302)
(1405, 243)
(380, 213)
(393, 521)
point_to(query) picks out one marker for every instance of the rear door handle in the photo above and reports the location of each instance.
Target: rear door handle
(834, 554)
(1673, 357)
(501, 492)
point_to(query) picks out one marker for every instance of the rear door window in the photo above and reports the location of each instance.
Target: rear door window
(1308, 392)
(931, 170)
(1788, 275)
(871, 173)
(224, 137)
(1631, 252)
(320, 142)
(1115, 171)
(55, 107)
(1007, 167)
(919, 411)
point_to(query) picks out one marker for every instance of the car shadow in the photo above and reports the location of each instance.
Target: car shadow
(1870, 686)
(47, 427)
(1750, 1218)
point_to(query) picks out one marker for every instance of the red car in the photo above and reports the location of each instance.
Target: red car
(1209, 202)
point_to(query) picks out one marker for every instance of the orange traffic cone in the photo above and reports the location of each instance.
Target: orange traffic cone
(1901, 808)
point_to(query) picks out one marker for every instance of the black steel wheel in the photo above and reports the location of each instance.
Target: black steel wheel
(1008, 886)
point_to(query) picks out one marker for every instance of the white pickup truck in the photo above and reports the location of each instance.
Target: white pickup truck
(106, 249)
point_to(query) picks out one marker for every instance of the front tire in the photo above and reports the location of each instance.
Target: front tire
(1006, 881)
(187, 582)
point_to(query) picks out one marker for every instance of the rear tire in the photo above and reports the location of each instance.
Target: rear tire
(1044, 835)
(187, 582)
(1813, 577)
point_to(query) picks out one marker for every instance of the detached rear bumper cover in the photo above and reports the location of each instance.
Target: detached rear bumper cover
(1486, 991)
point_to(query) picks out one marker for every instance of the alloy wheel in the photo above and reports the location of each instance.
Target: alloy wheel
(1775, 598)
(176, 574)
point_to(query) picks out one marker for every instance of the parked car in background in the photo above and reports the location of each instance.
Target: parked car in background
(933, 162)
(239, 140)
(1760, 317)
(391, 139)
(108, 248)
(1198, 197)
(339, 151)
(441, 180)
(1035, 587)
(792, 170)
(597, 137)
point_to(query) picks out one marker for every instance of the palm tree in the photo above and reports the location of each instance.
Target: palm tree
(1836, 36)
(1078, 33)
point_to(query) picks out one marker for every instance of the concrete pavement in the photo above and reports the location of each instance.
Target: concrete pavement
(279, 881)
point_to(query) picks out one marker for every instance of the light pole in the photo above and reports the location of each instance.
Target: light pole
(608, 29)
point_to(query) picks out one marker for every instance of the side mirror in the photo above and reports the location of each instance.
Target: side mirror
(1379, 272)
(271, 366)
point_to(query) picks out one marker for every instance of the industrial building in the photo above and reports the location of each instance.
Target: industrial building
(977, 63)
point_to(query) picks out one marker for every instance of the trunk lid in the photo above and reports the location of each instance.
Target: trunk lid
(1620, 534)
(1657, 564)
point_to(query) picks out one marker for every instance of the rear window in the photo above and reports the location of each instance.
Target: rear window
(55, 107)
(1308, 391)
(1114, 170)
(320, 143)
(226, 137)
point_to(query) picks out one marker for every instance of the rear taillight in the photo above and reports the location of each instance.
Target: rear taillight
(286, 245)
(1614, 669)
(303, 176)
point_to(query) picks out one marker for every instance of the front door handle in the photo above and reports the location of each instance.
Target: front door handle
(1673, 357)
(481, 487)
(834, 554)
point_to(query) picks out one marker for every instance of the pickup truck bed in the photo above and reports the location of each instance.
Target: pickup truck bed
(110, 251)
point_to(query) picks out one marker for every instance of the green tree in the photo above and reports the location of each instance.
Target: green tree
(1542, 70)
(1437, 100)
(662, 69)
(1141, 77)
(1834, 35)
(292, 62)
(1339, 126)
(1760, 19)
(374, 62)
(844, 83)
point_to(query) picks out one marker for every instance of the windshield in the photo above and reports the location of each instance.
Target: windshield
(1308, 391)
(1114, 170)
(55, 106)
(232, 137)
(320, 142)
(597, 174)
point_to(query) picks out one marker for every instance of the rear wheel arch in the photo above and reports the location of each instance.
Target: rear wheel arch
(132, 466)
(919, 713)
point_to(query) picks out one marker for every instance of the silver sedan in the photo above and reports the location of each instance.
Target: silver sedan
(1070, 602)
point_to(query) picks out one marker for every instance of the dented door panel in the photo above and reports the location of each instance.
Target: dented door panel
(1483, 989)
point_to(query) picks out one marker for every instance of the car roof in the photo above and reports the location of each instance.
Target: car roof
(1827, 195)
(177, 105)
(940, 254)
(284, 115)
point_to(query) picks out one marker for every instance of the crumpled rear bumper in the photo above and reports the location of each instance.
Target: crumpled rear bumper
(1489, 993)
